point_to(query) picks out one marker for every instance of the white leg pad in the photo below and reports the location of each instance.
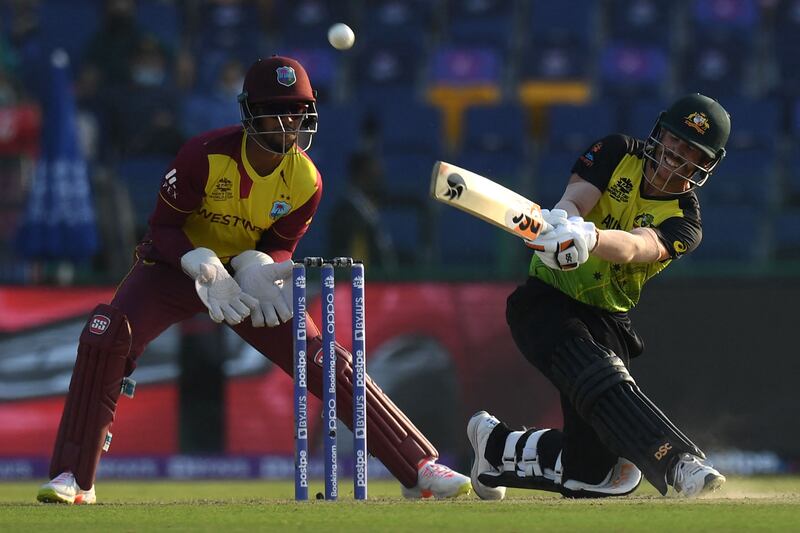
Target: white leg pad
(510, 451)
(530, 465)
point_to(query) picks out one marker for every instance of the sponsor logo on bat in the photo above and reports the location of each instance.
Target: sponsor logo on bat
(524, 225)
(455, 186)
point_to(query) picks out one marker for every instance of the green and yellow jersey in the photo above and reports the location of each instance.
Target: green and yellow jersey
(614, 165)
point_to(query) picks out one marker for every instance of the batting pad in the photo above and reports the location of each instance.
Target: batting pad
(93, 393)
(628, 422)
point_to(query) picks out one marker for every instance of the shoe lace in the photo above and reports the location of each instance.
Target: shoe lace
(64, 477)
(436, 470)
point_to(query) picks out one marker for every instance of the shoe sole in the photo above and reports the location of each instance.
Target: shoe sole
(51, 496)
(472, 434)
(712, 483)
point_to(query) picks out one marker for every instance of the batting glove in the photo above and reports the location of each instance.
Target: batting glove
(567, 246)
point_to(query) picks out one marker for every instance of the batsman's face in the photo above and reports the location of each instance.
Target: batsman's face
(675, 164)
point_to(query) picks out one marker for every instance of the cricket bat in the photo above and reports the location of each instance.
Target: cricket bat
(485, 199)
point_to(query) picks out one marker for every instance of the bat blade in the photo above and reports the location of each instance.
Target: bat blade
(487, 200)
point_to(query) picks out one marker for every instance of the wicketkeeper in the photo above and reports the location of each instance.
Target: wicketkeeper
(229, 214)
(628, 211)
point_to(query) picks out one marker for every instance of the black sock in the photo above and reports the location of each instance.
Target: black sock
(496, 444)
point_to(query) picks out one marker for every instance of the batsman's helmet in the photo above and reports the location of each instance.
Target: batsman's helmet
(278, 87)
(699, 121)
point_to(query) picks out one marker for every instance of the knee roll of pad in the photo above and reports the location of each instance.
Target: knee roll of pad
(625, 419)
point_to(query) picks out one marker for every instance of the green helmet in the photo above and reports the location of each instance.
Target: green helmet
(698, 120)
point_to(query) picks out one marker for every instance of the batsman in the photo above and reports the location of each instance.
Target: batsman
(629, 209)
(230, 212)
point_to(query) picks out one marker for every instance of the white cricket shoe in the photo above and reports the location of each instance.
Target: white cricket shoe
(64, 489)
(437, 481)
(478, 430)
(694, 478)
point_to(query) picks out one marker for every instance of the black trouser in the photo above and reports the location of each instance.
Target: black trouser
(541, 317)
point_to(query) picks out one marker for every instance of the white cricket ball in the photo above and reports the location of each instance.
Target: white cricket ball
(341, 36)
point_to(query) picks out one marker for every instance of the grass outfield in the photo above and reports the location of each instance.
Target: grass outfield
(744, 504)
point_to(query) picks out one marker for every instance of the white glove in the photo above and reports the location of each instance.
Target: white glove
(216, 288)
(269, 282)
(568, 246)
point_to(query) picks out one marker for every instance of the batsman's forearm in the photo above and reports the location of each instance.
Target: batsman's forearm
(569, 206)
(619, 246)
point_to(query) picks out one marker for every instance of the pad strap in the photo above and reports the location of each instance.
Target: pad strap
(529, 463)
(510, 452)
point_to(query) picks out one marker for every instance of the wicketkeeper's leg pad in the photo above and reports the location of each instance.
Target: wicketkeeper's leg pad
(97, 380)
(391, 436)
(626, 421)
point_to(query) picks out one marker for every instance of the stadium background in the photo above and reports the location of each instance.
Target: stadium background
(512, 89)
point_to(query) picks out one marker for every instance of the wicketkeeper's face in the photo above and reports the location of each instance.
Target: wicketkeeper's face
(277, 128)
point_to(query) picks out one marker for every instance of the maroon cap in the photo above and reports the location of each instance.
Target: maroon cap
(277, 79)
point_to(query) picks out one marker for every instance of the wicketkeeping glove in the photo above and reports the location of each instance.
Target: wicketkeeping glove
(567, 246)
(269, 282)
(216, 288)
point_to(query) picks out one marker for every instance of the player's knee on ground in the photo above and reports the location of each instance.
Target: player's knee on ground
(600, 388)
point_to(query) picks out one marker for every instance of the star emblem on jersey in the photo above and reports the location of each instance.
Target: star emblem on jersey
(455, 186)
(286, 76)
(698, 121)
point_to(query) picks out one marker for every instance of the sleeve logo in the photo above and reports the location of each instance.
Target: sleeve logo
(169, 184)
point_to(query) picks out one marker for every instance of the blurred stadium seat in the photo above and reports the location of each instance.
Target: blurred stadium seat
(471, 65)
(719, 68)
(556, 59)
(393, 21)
(408, 125)
(640, 21)
(730, 16)
(409, 172)
(485, 23)
(755, 123)
(500, 130)
(142, 177)
(574, 128)
(463, 240)
(627, 70)
(551, 172)
(732, 233)
(305, 23)
(56, 31)
(744, 177)
(162, 19)
(576, 20)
